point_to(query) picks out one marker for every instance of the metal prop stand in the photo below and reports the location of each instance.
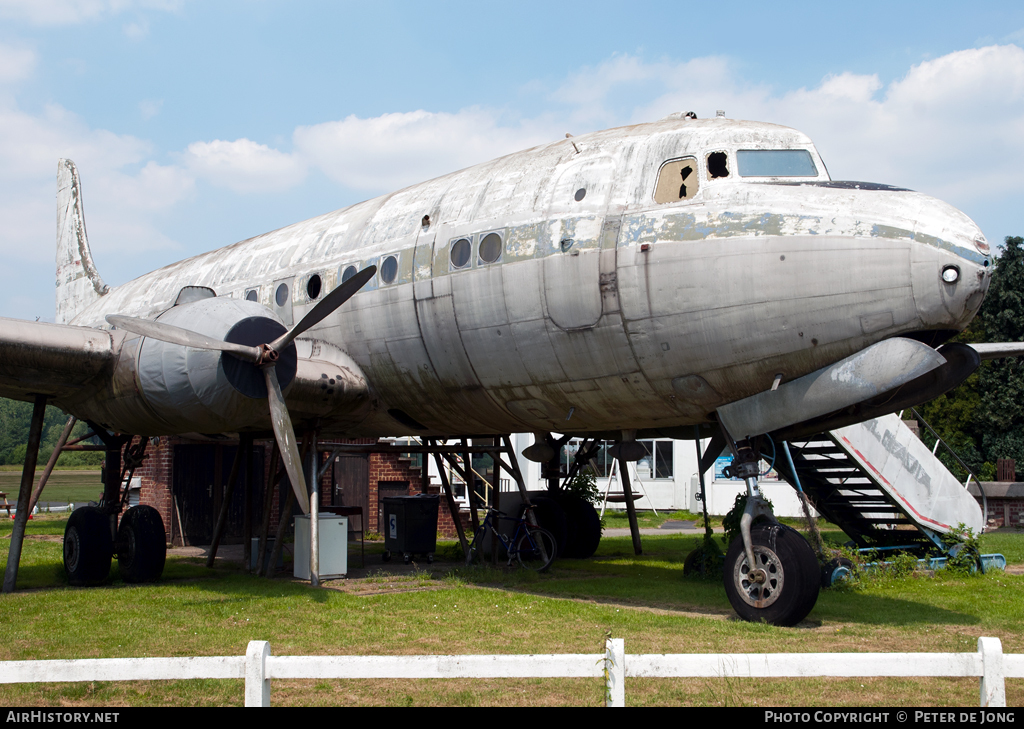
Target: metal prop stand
(247, 502)
(58, 449)
(310, 474)
(453, 509)
(28, 472)
(634, 529)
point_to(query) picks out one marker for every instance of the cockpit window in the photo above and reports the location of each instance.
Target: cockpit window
(677, 181)
(718, 165)
(775, 163)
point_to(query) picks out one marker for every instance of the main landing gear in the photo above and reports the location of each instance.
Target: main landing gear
(90, 539)
(771, 572)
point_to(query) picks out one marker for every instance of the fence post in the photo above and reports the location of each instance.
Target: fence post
(615, 671)
(993, 687)
(257, 683)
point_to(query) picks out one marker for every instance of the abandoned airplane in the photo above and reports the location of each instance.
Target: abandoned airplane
(683, 278)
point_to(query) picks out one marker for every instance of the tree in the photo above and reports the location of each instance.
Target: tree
(1001, 382)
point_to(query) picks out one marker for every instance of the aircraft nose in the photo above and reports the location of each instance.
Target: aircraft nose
(952, 269)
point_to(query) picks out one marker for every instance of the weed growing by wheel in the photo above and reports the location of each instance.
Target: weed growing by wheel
(963, 549)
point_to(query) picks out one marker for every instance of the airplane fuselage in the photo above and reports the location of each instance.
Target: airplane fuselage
(594, 284)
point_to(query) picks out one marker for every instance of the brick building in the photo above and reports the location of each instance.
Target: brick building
(185, 481)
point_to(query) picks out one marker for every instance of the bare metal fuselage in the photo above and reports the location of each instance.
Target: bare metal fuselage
(604, 311)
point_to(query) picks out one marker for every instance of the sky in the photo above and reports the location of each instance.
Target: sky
(198, 124)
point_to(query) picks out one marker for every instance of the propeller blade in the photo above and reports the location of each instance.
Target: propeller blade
(285, 435)
(325, 308)
(177, 335)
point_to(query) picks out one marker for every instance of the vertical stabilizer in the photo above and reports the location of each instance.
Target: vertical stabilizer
(78, 282)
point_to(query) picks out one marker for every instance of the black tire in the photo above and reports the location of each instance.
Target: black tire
(407, 558)
(536, 548)
(386, 557)
(583, 526)
(793, 576)
(141, 545)
(551, 516)
(88, 548)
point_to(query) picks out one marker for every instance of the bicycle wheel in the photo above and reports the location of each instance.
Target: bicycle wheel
(536, 548)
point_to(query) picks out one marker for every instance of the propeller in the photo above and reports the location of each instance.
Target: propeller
(265, 357)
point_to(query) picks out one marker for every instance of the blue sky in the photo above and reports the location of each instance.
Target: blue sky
(196, 124)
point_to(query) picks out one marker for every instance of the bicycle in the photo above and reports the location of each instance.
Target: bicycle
(534, 546)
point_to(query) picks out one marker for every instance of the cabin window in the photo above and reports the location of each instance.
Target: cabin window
(460, 251)
(580, 194)
(490, 248)
(252, 295)
(718, 165)
(389, 269)
(775, 163)
(677, 181)
(281, 296)
(350, 271)
(313, 286)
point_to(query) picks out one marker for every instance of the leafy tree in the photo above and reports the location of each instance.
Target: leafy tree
(1001, 381)
(15, 422)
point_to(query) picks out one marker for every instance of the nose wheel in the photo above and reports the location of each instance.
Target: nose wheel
(782, 584)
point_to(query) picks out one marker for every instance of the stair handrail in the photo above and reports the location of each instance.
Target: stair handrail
(970, 471)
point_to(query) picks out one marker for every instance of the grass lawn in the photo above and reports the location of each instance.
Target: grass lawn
(78, 486)
(446, 608)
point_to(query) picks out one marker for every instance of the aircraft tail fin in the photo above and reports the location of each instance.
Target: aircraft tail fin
(78, 282)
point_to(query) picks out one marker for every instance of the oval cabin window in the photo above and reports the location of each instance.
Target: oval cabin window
(460, 252)
(389, 269)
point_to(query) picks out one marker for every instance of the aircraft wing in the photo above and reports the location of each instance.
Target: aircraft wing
(53, 359)
(998, 350)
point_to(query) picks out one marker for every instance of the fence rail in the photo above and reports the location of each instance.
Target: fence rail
(258, 667)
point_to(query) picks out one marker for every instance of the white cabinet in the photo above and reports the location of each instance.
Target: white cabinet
(333, 546)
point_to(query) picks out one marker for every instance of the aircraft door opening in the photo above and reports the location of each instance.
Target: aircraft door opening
(572, 271)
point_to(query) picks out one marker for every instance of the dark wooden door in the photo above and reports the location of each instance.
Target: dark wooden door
(352, 481)
(201, 472)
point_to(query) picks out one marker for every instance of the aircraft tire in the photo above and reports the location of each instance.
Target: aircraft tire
(88, 548)
(551, 516)
(583, 526)
(142, 545)
(794, 577)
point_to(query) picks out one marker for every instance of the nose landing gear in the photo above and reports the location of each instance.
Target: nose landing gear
(771, 572)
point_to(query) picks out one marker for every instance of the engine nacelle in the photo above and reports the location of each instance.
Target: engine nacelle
(159, 388)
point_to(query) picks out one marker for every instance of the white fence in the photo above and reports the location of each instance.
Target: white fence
(258, 667)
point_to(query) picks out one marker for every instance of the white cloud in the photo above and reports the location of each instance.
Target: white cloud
(244, 165)
(136, 30)
(70, 12)
(16, 63)
(394, 150)
(120, 203)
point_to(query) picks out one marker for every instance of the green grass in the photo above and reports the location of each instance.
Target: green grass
(67, 486)
(450, 609)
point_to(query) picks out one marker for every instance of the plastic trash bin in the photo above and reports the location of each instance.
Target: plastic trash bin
(410, 526)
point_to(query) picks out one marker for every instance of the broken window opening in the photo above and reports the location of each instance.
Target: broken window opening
(718, 165)
(313, 286)
(677, 181)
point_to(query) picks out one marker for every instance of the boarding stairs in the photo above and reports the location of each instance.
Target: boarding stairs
(881, 485)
